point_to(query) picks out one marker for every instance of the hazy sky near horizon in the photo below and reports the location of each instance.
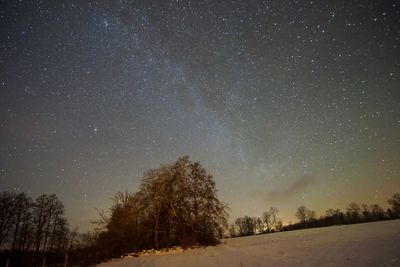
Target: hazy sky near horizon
(286, 103)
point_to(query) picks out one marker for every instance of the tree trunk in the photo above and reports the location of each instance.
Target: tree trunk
(46, 233)
(156, 233)
(37, 240)
(136, 233)
(66, 259)
(1, 230)
(23, 237)
(16, 231)
(54, 232)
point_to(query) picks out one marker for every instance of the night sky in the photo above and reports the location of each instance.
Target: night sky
(286, 103)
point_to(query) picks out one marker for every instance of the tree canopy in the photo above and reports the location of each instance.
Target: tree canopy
(177, 204)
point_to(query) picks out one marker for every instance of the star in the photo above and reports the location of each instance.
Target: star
(252, 90)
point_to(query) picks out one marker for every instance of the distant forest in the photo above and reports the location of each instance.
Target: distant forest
(176, 205)
(355, 213)
(33, 232)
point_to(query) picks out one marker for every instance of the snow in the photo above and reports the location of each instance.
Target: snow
(368, 244)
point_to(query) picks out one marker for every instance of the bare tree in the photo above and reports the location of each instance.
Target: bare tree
(61, 235)
(39, 219)
(58, 217)
(51, 210)
(267, 219)
(154, 186)
(301, 214)
(21, 208)
(395, 202)
(274, 212)
(279, 225)
(366, 211)
(353, 212)
(6, 214)
(90, 241)
(176, 204)
(335, 216)
(246, 225)
(271, 220)
(305, 215)
(123, 223)
(71, 241)
(182, 205)
(26, 234)
(259, 226)
(241, 226)
(377, 212)
(32, 226)
(232, 230)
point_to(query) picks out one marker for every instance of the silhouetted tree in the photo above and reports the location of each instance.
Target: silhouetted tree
(390, 214)
(184, 195)
(232, 230)
(279, 225)
(334, 216)
(22, 205)
(246, 225)
(39, 219)
(366, 212)
(7, 205)
(32, 231)
(241, 226)
(177, 204)
(301, 214)
(71, 238)
(271, 220)
(395, 202)
(275, 220)
(305, 215)
(377, 212)
(267, 219)
(353, 212)
(259, 226)
(154, 187)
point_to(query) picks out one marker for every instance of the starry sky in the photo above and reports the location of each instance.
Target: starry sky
(286, 103)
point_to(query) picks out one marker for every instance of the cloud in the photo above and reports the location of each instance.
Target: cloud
(293, 189)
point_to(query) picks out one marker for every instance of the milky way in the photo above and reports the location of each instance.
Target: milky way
(284, 102)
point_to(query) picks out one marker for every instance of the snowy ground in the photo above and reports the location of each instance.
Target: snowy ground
(369, 244)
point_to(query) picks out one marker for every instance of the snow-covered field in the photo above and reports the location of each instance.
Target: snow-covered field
(368, 244)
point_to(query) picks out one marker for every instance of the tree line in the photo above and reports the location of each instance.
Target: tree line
(268, 223)
(176, 205)
(355, 213)
(31, 230)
